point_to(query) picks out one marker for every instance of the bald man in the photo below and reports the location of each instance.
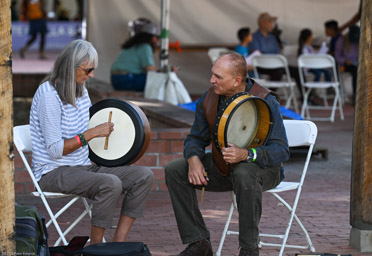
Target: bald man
(255, 169)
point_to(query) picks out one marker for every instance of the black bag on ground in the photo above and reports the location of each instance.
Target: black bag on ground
(117, 249)
(31, 233)
(73, 248)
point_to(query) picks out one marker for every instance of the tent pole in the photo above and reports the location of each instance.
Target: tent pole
(84, 20)
(165, 4)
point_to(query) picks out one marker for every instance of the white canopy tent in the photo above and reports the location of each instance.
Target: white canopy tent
(206, 22)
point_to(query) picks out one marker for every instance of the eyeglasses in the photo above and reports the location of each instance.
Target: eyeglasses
(87, 70)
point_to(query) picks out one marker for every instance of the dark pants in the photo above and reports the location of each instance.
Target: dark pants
(37, 27)
(318, 73)
(247, 180)
(353, 70)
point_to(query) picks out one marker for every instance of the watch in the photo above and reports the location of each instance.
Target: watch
(250, 156)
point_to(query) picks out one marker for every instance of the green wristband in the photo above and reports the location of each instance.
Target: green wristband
(254, 154)
(82, 139)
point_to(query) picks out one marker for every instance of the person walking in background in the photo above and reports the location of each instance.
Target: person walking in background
(129, 70)
(346, 54)
(33, 11)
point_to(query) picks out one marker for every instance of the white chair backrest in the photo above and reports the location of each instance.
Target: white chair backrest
(316, 61)
(22, 138)
(269, 61)
(215, 52)
(300, 132)
(22, 141)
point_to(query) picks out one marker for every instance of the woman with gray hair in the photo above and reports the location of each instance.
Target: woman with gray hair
(59, 120)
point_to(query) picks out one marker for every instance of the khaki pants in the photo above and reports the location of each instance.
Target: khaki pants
(247, 180)
(103, 185)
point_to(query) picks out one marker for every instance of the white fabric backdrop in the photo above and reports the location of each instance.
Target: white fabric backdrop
(207, 22)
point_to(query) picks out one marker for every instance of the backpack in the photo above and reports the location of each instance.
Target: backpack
(73, 248)
(31, 233)
(117, 249)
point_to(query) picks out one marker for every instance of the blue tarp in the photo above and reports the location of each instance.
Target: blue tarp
(285, 111)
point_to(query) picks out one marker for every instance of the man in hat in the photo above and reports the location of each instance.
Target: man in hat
(248, 172)
(265, 42)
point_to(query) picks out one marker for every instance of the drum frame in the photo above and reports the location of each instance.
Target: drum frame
(262, 131)
(140, 123)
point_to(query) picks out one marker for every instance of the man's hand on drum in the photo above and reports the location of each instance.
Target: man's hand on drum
(196, 171)
(233, 154)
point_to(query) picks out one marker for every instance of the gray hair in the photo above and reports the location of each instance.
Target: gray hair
(62, 75)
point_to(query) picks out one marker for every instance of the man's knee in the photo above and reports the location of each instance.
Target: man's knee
(246, 173)
(176, 168)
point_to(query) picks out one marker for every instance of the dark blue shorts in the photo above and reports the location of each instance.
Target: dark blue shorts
(37, 26)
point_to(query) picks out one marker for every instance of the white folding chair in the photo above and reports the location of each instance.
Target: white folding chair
(299, 133)
(22, 141)
(216, 52)
(275, 61)
(319, 61)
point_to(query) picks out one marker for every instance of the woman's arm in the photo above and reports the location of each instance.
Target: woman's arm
(102, 130)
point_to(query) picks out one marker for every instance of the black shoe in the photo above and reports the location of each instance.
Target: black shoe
(199, 248)
(244, 252)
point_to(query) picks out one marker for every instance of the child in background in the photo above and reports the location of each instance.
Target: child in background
(245, 37)
(304, 47)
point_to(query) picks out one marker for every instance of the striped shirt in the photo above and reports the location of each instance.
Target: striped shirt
(52, 122)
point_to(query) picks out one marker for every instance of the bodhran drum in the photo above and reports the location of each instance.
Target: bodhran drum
(246, 121)
(130, 138)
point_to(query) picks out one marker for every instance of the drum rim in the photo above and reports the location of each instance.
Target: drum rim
(139, 140)
(222, 111)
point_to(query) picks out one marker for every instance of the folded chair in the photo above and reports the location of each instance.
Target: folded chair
(299, 133)
(276, 61)
(216, 52)
(22, 141)
(319, 61)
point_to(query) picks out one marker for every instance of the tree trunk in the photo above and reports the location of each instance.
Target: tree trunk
(361, 180)
(361, 194)
(7, 244)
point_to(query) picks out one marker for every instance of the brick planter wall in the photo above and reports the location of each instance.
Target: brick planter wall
(165, 145)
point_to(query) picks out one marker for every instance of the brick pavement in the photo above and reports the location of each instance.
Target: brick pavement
(323, 207)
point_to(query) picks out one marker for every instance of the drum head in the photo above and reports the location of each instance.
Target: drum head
(241, 130)
(246, 121)
(127, 140)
